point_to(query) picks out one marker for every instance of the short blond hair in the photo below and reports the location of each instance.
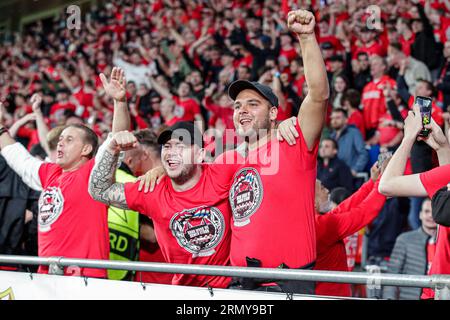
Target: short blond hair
(53, 137)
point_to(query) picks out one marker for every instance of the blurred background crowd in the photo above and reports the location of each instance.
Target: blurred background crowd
(179, 58)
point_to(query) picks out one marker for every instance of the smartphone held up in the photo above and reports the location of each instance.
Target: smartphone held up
(425, 111)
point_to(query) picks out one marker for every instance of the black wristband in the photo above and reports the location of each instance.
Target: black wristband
(3, 130)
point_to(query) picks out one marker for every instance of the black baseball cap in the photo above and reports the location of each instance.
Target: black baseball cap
(440, 207)
(337, 57)
(327, 45)
(239, 85)
(185, 131)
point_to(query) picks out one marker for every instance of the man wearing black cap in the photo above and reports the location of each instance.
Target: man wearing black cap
(272, 198)
(189, 207)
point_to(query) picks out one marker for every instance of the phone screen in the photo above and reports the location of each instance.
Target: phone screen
(425, 111)
(382, 157)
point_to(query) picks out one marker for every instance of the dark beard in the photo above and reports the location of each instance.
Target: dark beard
(185, 175)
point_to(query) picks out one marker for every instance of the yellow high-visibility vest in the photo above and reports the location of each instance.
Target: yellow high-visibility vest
(123, 233)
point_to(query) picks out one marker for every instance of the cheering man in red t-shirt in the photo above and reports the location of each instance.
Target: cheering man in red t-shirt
(333, 226)
(394, 183)
(70, 223)
(272, 198)
(189, 207)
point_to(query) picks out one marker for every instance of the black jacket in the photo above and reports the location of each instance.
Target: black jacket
(15, 198)
(425, 47)
(336, 174)
(444, 86)
(441, 207)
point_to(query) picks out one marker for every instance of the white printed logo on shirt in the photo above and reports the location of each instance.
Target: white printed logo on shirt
(51, 205)
(198, 230)
(245, 195)
(178, 111)
(374, 94)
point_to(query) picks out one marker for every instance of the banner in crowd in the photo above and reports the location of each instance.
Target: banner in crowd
(25, 286)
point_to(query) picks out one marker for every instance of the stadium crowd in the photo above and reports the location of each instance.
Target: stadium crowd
(179, 59)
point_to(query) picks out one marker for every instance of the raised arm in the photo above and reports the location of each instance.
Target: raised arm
(313, 109)
(20, 123)
(393, 182)
(5, 138)
(116, 89)
(336, 226)
(18, 158)
(163, 92)
(102, 185)
(65, 78)
(177, 36)
(42, 128)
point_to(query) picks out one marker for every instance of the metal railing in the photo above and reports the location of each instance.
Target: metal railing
(440, 283)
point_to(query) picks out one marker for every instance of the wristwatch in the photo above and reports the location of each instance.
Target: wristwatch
(3, 130)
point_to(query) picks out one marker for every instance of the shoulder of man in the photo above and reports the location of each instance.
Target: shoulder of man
(409, 236)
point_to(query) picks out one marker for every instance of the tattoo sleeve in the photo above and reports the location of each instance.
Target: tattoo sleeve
(101, 182)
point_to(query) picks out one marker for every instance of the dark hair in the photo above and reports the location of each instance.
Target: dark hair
(37, 150)
(430, 87)
(396, 46)
(406, 22)
(362, 54)
(339, 194)
(299, 60)
(353, 97)
(187, 83)
(90, 137)
(335, 144)
(325, 18)
(148, 138)
(249, 69)
(343, 111)
(69, 113)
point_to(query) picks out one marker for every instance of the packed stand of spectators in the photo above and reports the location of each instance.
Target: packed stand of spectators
(179, 58)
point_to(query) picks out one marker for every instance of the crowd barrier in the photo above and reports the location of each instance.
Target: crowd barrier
(440, 283)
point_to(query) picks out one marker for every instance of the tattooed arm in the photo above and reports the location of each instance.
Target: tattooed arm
(102, 186)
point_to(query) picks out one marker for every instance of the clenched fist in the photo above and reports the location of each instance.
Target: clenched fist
(301, 22)
(122, 141)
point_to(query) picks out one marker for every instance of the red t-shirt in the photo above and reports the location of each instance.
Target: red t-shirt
(374, 49)
(373, 102)
(192, 227)
(357, 119)
(406, 44)
(186, 109)
(223, 113)
(71, 224)
(86, 100)
(62, 106)
(151, 252)
(432, 181)
(31, 134)
(172, 121)
(387, 133)
(297, 85)
(431, 251)
(272, 200)
(290, 54)
(285, 114)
